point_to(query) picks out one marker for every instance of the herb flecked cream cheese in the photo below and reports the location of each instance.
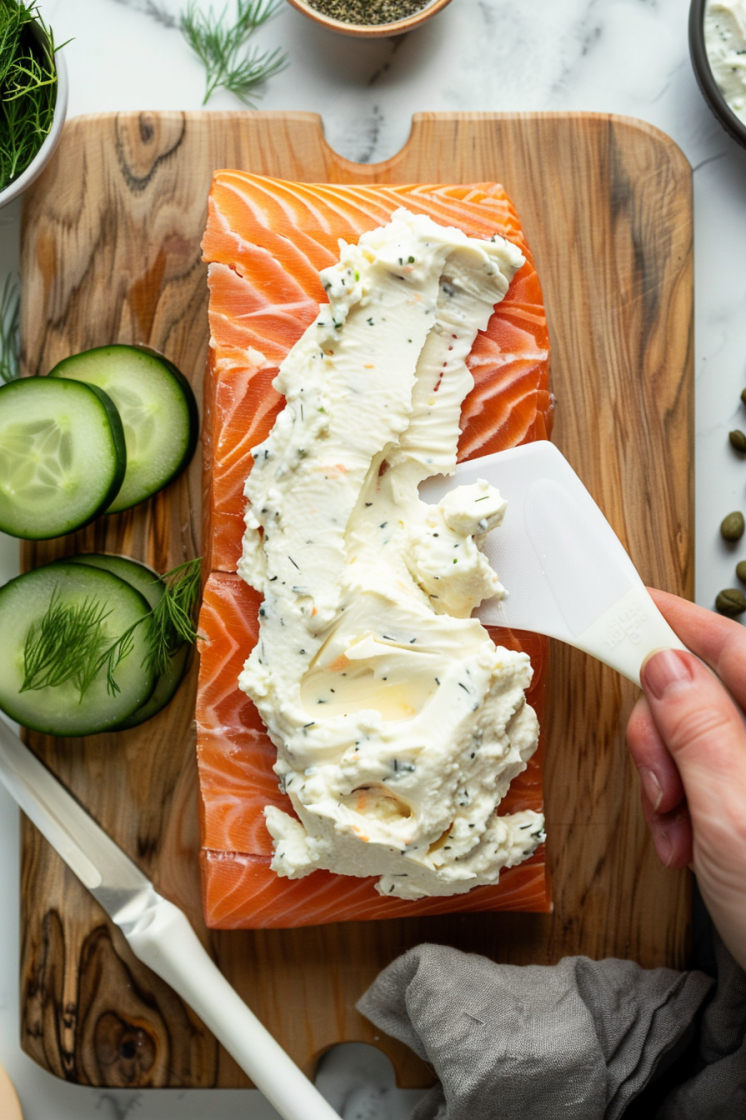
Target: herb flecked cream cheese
(398, 723)
(725, 42)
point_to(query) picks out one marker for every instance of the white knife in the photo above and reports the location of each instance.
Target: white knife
(158, 932)
(566, 571)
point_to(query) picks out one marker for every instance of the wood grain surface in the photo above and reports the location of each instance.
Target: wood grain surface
(110, 252)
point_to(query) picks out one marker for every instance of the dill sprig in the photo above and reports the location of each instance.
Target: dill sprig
(10, 304)
(109, 661)
(221, 47)
(63, 645)
(71, 644)
(171, 622)
(28, 86)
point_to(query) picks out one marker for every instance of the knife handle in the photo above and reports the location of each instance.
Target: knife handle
(163, 939)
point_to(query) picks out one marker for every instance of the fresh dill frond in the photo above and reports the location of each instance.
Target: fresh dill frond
(221, 46)
(10, 305)
(109, 661)
(171, 622)
(64, 645)
(28, 86)
(70, 642)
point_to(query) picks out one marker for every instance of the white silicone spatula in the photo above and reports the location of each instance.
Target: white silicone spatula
(566, 571)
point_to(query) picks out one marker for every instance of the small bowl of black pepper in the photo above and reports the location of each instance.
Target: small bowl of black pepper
(369, 18)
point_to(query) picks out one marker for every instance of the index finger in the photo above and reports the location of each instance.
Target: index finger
(719, 642)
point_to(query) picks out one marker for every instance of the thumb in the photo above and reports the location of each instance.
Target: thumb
(704, 732)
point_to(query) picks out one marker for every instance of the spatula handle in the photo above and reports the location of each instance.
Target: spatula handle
(165, 941)
(624, 636)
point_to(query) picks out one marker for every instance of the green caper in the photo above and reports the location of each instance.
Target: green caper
(731, 602)
(743, 396)
(741, 570)
(732, 526)
(738, 441)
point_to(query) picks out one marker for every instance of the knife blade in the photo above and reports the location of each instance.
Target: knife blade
(158, 932)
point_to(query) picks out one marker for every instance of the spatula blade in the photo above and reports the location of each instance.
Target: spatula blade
(567, 573)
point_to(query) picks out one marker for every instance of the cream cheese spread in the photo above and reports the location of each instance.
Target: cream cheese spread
(725, 43)
(398, 723)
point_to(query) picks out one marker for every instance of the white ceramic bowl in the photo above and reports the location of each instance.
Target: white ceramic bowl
(43, 156)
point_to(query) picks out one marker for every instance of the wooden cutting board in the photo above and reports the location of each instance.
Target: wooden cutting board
(110, 252)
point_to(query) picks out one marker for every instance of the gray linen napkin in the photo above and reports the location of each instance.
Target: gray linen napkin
(717, 1088)
(580, 1039)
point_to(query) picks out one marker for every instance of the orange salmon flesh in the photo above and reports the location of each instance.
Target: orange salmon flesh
(265, 243)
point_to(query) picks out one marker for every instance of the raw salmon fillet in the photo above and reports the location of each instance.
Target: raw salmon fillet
(265, 243)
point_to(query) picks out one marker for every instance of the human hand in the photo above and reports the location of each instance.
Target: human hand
(687, 739)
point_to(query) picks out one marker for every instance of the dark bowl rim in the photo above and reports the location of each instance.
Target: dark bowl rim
(705, 79)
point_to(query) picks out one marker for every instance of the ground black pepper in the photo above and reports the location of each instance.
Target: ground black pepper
(368, 13)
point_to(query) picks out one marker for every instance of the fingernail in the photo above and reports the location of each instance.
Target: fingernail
(662, 670)
(664, 848)
(652, 786)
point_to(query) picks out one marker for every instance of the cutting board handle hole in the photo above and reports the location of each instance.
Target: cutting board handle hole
(354, 1071)
(353, 148)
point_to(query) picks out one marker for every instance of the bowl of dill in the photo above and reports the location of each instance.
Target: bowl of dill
(33, 96)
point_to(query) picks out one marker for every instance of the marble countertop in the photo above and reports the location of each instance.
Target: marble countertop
(619, 56)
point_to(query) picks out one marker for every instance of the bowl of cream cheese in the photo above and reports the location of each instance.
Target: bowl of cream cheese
(717, 44)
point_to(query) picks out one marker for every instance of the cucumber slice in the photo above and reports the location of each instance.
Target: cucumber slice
(166, 687)
(151, 587)
(158, 411)
(59, 709)
(144, 579)
(62, 456)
